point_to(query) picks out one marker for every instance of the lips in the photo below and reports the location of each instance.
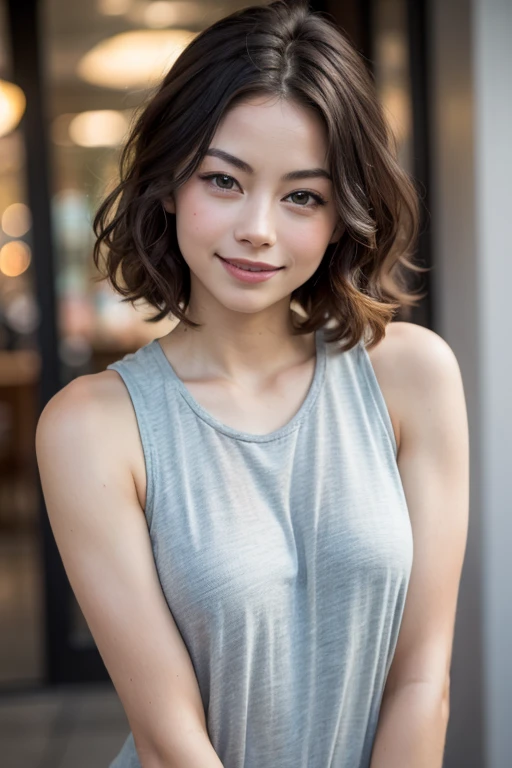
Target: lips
(259, 265)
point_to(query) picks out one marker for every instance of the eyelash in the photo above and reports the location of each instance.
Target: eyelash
(319, 200)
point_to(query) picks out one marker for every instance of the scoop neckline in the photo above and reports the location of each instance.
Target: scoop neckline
(225, 429)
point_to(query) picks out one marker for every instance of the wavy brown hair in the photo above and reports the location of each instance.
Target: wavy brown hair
(281, 49)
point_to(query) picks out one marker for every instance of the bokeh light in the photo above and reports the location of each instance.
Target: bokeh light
(137, 59)
(98, 128)
(15, 258)
(16, 220)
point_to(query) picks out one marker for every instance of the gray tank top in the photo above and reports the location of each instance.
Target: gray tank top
(284, 559)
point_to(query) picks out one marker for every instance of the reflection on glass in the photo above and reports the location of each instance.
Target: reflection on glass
(391, 62)
(88, 124)
(15, 258)
(136, 59)
(12, 106)
(100, 69)
(98, 128)
(20, 579)
(16, 220)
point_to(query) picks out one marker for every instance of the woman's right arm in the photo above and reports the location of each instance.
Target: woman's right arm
(102, 536)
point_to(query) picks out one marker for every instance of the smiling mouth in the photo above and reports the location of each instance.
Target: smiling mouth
(248, 267)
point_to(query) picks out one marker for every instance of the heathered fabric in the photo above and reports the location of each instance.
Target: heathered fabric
(284, 558)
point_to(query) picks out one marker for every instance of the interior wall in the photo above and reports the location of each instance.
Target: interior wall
(492, 30)
(456, 311)
(471, 118)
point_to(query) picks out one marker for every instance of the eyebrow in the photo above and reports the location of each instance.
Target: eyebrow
(291, 176)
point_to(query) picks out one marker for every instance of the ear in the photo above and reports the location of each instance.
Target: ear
(169, 204)
(337, 233)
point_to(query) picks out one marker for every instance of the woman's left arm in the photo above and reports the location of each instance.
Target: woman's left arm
(433, 461)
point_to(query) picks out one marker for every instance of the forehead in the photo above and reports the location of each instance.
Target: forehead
(275, 131)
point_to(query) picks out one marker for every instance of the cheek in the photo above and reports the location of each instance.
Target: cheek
(198, 220)
(308, 243)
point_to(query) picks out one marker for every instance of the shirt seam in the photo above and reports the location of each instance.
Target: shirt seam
(373, 385)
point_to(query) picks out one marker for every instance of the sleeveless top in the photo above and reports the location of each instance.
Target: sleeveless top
(284, 559)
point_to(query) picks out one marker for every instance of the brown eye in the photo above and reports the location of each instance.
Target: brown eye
(316, 198)
(305, 195)
(224, 178)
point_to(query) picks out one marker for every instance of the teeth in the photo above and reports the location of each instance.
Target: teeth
(249, 269)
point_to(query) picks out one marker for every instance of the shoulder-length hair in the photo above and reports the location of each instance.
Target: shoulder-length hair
(282, 49)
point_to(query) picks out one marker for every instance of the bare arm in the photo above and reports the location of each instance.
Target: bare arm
(102, 536)
(434, 466)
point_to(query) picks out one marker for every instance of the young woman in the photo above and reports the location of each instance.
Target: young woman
(263, 514)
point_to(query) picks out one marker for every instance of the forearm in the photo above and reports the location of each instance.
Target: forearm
(412, 728)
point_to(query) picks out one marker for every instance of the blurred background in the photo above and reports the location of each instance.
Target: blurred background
(71, 76)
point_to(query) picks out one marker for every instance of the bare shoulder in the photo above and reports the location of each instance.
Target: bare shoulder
(99, 388)
(417, 351)
(95, 410)
(414, 365)
(92, 401)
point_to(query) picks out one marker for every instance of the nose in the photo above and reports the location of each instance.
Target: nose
(255, 223)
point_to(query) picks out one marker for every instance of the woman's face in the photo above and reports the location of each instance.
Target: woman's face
(247, 209)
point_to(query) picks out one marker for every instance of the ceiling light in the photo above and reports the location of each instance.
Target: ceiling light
(99, 128)
(166, 13)
(12, 106)
(114, 7)
(136, 59)
(161, 14)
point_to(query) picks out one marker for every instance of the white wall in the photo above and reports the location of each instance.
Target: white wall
(471, 129)
(492, 41)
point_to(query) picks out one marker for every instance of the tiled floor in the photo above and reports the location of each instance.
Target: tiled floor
(69, 728)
